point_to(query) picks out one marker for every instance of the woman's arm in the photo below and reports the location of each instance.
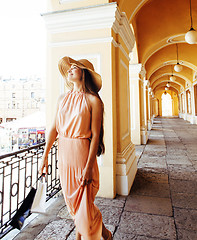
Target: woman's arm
(96, 110)
(52, 135)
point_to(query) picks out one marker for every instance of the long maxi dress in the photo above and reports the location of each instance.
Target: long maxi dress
(73, 125)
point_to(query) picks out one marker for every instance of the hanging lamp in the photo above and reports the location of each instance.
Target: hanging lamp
(172, 78)
(191, 35)
(177, 67)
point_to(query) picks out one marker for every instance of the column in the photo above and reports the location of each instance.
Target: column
(149, 125)
(106, 41)
(185, 102)
(134, 71)
(143, 126)
(193, 105)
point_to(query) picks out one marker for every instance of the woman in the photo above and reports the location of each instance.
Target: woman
(79, 124)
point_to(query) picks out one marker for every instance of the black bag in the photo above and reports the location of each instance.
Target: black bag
(24, 210)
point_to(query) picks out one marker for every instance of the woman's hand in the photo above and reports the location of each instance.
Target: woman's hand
(43, 165)
(86, 177)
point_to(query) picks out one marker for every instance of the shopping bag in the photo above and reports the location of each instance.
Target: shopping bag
(39, 202)
(24, 211)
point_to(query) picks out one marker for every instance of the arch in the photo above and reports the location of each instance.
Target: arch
(176, 84)
(152, 34)
(186, 74)
(162, 88)
(167, 56)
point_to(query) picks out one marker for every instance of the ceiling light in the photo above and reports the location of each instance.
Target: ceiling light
(177, 67)
(191, 35)
(172, 78)
(168, 85)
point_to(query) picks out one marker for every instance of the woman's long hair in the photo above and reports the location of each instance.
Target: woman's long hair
(91, 88)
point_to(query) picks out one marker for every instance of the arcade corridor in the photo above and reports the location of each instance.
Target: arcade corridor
(162, 203)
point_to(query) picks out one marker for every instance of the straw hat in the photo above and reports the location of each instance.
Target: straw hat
(66, 62)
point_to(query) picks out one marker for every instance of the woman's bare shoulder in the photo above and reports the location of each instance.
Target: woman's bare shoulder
(93, 99)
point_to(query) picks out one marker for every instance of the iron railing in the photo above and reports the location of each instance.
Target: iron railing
(18, 173)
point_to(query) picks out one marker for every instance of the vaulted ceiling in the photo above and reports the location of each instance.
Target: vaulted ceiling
(158, 26)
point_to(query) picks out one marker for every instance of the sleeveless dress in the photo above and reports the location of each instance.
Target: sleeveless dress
(73, 125)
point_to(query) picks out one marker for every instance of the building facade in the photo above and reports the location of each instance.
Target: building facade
(20, 97)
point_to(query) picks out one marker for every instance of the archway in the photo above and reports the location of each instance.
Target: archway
(166, 104)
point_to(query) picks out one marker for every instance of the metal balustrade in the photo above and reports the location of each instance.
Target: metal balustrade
(18, 173)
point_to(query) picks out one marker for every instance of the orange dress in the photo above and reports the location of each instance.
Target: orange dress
(73, 126)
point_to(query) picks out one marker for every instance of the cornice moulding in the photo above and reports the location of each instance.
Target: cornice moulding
(81, 19)
(94, 17)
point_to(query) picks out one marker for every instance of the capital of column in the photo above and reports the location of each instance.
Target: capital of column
(139, 70)
(143, 72)
(147, 83)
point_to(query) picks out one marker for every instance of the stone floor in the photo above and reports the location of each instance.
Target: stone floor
(162, 203)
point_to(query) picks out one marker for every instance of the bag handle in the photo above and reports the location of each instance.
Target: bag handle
(43, 176)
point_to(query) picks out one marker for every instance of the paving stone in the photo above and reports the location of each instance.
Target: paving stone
(184, 200)
(161, 165)
(182, 172)
(147, 188)
(154, 153)
(148, 225)
(63, 213)
(176, 153)
(186, 219)
(153, 205)
(72, 235)
(156, 142)
(110, 214)
(56, 230)
(152, 175)
(178, 160)
(118, 201)
(186, 235)
(181, 186)
(125, 236)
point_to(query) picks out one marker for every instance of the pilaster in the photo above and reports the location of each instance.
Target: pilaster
(149, 124)
(193, 105)
(143, 121)
(185, 102)
(134, 71)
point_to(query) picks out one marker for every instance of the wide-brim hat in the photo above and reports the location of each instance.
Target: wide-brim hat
(66, 62)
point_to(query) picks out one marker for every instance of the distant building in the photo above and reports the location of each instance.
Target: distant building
(20, 97)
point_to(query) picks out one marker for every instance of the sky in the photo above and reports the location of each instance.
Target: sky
(22, 38)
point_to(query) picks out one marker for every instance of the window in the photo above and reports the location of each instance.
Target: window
(13, 95)
(13, 105)
(188, 99)
(32, 94)
(182, 103)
